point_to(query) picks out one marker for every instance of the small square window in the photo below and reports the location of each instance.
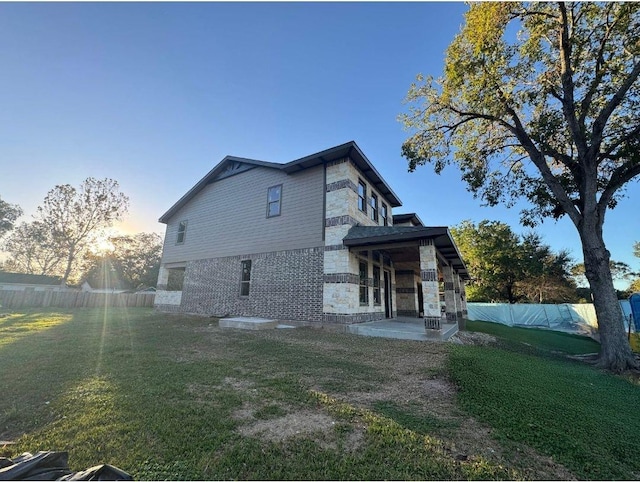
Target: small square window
(274, 198)
(182, 232)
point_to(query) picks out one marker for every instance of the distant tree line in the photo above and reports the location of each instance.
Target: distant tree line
(67, 238)
(510, 268)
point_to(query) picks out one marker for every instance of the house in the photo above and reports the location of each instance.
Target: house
(30, 282)
(314, 239)
(86, 287)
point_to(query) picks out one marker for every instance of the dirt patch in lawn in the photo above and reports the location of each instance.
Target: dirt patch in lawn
(415, 385)
(302, 423)
(290, 425)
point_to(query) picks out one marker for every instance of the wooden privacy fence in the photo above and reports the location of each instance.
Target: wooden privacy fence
(73, 299)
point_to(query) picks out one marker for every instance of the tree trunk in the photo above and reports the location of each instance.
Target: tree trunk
(70, 259)
(615, 352)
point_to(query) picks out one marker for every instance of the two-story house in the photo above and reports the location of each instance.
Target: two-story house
(314, 239)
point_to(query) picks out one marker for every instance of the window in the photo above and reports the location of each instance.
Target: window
(376, 286)
(182, 232)
(274, 196)
(364, 289)
(383, 214)
(245, 279)
(362, 196)
(175, 279)
(374, 207)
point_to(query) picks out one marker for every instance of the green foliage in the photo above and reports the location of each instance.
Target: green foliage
(533, 97)
(541, 101)
(9, 213)
(74, 217)
(33, 250)
(582, 418)
(133, 262)
(507, 267)
(67, 223)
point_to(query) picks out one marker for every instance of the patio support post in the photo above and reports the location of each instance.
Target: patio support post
(430, 289)
(450, 297)
(463, 299)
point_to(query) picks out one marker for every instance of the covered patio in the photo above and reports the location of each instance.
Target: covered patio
(430, 278)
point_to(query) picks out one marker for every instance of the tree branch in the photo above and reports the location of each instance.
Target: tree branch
(568, 105)
(598, 74)
(602, 119)
(620, 176)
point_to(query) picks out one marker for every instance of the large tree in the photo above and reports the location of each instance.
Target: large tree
(492, 253)
(506, 267)
(9, 213)
(546, 275)
(76, 217)
(542, 101)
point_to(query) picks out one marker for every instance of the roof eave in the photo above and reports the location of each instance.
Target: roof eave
(349, 149)
(207, 178)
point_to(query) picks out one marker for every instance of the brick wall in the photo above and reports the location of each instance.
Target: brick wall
(285, 285)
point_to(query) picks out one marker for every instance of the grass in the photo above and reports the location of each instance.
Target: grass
(583, 418)
(168, 397)
(175, 397)
(536, 340)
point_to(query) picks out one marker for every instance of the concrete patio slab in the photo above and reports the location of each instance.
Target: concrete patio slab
(404, 329)
(248, 323)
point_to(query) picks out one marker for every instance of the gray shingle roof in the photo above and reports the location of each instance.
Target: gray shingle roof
(349, 149)
(29, 279)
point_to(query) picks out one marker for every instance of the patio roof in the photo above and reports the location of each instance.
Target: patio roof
(389, 235)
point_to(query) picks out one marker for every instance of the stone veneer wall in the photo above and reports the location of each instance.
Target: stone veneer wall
(286, 285)
(406, 289)
(341, 302)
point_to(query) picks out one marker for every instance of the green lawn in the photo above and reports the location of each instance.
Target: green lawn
(585, 419)
(538, 340)
(175, 397)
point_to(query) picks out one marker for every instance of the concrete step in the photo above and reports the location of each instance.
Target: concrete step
(248, 323)
(403, 330)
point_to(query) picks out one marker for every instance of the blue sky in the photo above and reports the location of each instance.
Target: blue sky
(155, 94)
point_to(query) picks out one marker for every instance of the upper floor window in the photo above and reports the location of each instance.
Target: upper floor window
(274, 198)
(182, 232)
(245, 277)
(374, 207)
(384, 215)
(362, 196)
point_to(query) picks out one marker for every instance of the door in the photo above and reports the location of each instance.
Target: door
(388, 299)
(420, 300)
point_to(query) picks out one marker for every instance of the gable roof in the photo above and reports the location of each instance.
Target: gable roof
(29, 279)
(372, 235)
(231, 165)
